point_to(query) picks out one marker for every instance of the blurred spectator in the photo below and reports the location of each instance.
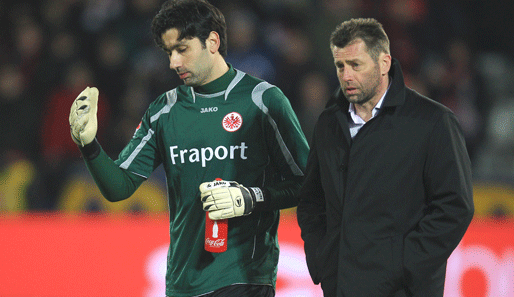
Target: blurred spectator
(439, 23)
(245, 49)
(97, 15)
(496, 159)
(17, 180)
(133, 103)
(314, 91)
(111, 66)
(324, 16)
(492, 24)
(404, 18)
(19, 113)
(453, 80)
(295, 58)
(146, 61)
(59, 14)
(463, 92)
(63, 49)
(29, 46)
(133, 26)
(57, 148)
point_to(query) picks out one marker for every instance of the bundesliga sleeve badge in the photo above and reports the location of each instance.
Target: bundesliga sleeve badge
(137, 129)
(232, 122)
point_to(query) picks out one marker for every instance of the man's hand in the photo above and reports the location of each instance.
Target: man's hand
(228, 199)
(83, 122)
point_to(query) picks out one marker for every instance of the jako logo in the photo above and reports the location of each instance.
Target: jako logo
(208, 109)
(218, 184)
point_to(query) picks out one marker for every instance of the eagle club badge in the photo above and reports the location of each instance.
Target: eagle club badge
(232, 122)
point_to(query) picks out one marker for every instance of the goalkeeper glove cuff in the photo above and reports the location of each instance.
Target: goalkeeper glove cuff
(260, 198)
(91, 150)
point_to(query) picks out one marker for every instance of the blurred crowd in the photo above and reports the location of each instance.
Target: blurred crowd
(459, 53)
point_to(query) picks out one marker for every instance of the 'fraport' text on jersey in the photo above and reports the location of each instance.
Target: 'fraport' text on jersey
(205, 154)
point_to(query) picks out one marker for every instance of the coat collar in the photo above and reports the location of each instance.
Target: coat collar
(396, 94)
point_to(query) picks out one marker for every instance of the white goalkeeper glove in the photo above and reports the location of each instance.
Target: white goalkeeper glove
(228, 199)
(83, 122)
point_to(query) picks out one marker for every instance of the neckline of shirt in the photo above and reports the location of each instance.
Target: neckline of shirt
(218, 85)
(357, 119)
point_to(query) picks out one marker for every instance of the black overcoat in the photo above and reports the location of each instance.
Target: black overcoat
(381, 213)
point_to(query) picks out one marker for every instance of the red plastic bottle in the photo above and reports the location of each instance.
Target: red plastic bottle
(215, 234)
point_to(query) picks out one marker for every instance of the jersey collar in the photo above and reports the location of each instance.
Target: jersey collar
(218, 85)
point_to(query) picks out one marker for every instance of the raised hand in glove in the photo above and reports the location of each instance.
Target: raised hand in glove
(228, 199)
(83, 121)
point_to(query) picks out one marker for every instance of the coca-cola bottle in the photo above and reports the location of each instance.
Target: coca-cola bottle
(215, 235)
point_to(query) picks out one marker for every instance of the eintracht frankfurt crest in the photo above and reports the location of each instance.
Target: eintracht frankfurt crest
(232, 122)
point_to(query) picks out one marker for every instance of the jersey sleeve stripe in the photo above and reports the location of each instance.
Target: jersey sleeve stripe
(137, 150)
(239, 76)
(171, 97)
(257, 93)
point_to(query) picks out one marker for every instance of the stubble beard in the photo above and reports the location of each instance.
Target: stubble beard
(198, 79)
(358, 98)
(191, 81)
(367, 92)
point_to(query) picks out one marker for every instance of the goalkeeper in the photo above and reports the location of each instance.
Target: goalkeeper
(221, 123)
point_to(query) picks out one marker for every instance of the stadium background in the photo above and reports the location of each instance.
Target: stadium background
(59, 237)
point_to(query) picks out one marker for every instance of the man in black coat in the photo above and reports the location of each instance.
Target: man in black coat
(388, 192)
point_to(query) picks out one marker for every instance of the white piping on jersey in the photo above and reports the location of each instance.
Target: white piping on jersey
(257, 93)
(234, 82)
(210, 95)
(239, 76)
(171, 97)
(193, 94)
(255, 236)
(138, 149)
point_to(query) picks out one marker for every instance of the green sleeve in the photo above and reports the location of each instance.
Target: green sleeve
(283, 195)
(289, 150)
(115, 184)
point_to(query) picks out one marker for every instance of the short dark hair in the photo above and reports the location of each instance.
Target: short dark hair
(191, 18)
(369, 30)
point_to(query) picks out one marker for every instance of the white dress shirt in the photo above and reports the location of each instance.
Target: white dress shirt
(356, 122)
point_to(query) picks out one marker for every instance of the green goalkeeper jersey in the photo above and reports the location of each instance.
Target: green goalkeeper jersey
(236, 128)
